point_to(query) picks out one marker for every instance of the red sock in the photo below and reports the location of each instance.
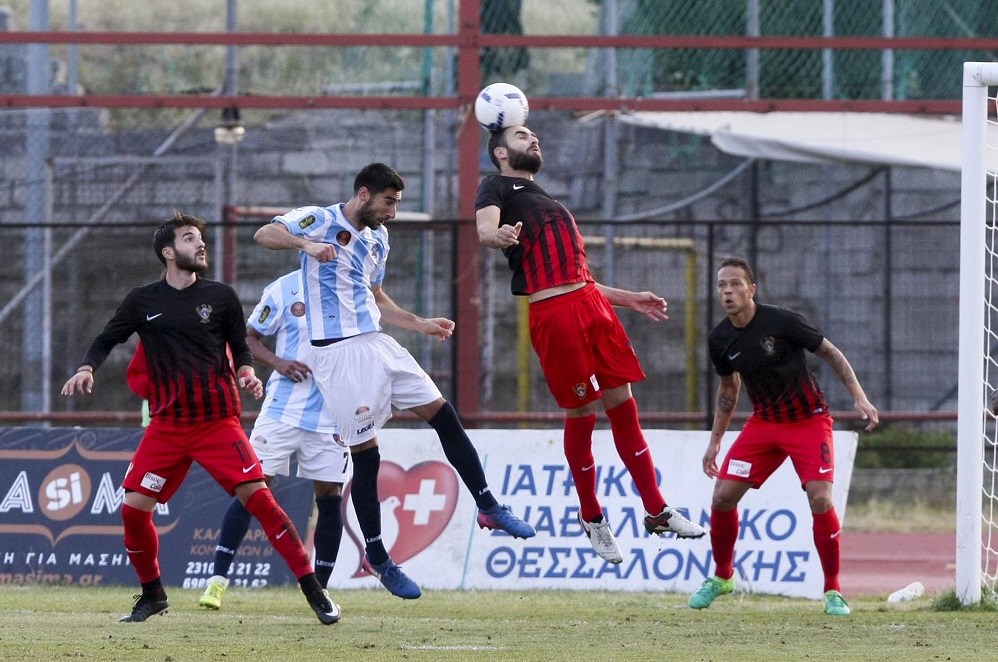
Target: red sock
(723, 534)
(141, 542)
(828, 541)
(279, 529)
(579, 453)
(633, 450)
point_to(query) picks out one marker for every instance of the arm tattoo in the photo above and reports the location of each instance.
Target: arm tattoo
(840, 365)
(725, 403)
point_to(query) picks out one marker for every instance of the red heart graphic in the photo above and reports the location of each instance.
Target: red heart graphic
(422, 500)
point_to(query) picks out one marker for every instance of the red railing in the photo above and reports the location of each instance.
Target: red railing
(477, 419)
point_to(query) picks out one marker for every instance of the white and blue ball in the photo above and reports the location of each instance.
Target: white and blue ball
(501, 105)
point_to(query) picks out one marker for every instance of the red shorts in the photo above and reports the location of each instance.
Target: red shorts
(762, 446)
(167, 450)
(582, 346)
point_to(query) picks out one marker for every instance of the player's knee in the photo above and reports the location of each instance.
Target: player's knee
(820, 504)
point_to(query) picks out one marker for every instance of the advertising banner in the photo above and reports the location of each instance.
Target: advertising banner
(429, 518)
(60, 519)
(60, 514)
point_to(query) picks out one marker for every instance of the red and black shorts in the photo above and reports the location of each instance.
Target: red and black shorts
(165, 454)
(582, 346)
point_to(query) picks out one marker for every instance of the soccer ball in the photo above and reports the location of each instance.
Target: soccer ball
(501, 105)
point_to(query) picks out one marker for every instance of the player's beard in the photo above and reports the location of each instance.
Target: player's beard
(368, 217)
(525, 161)
(185, 263)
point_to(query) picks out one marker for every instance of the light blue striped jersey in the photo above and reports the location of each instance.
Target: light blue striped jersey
(339, 302)
(281, 313)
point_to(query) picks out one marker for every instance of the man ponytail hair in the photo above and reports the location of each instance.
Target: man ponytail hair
(739, 263)
(378, 177)
(166, 234)
(496, 139)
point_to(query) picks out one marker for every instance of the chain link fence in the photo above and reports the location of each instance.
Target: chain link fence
(861, 282)
(810, 73)
(768, 73)
(837, 274)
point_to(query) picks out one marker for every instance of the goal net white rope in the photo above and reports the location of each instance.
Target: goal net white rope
(977, 433)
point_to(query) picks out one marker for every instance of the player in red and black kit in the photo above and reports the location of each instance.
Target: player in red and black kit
(583, 349)
(187, 326)
(764, 346)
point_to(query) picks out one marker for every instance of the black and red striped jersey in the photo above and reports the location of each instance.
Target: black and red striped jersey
(768, 353)
(192, 339)
(550, 251)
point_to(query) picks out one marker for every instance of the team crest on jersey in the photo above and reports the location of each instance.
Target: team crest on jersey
(204, 312)
(298, 309)
(768, 344)
(264, 314)
(307, 221)
(376, 252)
(580, 390)
(343, 237)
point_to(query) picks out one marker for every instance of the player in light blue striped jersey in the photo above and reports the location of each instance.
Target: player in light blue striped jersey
(363, 372)
(292, 420)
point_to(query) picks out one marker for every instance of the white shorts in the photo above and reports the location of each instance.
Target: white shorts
(320, 457)
(362, 377)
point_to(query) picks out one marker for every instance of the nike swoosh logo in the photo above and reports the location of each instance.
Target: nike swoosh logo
(133, 551)
(641, 452)
(589, 468)
(517, 188)
(836, 534)
(294, 293)
(732, 357)
(246, 470)
(152, 317)
(279, 535)
(824, 470)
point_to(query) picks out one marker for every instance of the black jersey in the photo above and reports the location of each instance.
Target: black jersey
(550, 252)
(187, 336)
(769, 355)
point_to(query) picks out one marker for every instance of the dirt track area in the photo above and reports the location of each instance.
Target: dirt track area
(881, 563)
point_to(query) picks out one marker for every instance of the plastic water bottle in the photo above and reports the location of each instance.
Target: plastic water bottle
(909, 592)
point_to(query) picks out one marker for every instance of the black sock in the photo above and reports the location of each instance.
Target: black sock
(154, 589)
(327, 535)
(309, 584)
(366, 502)
(235, 524)
(462, 455)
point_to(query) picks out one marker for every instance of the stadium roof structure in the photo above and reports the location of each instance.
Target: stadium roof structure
(819, 137)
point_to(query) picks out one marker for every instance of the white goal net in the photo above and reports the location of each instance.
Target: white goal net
(977, 434)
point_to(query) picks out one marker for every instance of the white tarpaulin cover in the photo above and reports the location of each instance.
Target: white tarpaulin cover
(814, 137)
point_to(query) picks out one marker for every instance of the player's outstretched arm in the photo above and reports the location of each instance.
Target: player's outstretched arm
(82, 382)
(392, 313)
(648, 304)
(835, 358)
(493, 235)
(276, 237)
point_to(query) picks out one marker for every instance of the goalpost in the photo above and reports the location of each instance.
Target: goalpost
(977, 481)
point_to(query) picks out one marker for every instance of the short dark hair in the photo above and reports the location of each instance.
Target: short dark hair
(740, 263)
(378, 177)
(166, 234)
(496, 139)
